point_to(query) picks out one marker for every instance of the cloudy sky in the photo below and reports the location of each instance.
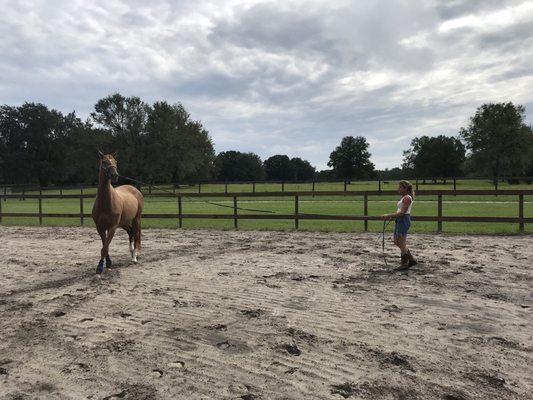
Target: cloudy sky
(277, 77)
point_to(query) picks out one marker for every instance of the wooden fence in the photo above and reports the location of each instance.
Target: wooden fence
(296, 216)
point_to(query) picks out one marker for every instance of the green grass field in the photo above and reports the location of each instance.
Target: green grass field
(502, 206)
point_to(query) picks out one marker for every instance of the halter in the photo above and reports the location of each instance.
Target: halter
(106, 168)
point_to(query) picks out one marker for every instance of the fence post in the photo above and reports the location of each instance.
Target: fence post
(379, 184)
(439, 223)
(365, 210)
(81, 210)
(313, 190)
(61, 191)
(226, 187)
(283, 186)
(40, 210)
(296, 221)
(180, 212)
(1, 210)
(235, 220)
(416, 184)
(23, 192)
(199, 187)
(253, 187)
(521, 212)
(150, 189)
(345, 185)
(5, 193)
(454, 184)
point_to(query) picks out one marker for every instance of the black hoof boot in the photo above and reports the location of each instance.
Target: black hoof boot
(108, 262)
(100, 267)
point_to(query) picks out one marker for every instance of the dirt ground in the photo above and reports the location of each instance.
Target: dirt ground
(264, 315)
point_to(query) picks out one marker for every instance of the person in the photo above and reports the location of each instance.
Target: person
(402, 218)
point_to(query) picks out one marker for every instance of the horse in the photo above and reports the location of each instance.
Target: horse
(114, 208)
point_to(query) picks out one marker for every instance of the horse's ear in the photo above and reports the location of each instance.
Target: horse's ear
(100, 154)
(115, 154)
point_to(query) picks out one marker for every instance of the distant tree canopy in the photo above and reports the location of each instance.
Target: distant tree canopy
(283, 168)
(352, 159)
(236, 166)
(158, 143)
(498, 140)
(38, 144)
(432, 157)
(302, 170)
(278, 168)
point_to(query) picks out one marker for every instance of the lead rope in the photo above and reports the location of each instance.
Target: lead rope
(197, 201)
(385, 224)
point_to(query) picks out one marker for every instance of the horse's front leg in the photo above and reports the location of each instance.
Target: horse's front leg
(102, 233)
(104, 253)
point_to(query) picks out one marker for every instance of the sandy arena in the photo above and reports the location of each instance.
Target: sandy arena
(264, 315)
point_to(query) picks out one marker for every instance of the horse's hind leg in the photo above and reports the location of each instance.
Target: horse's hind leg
(135, 238)
(131, 236)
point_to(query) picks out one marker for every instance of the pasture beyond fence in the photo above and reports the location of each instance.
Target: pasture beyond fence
(295, 216)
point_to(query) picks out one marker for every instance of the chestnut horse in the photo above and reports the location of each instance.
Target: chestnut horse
(114, 208)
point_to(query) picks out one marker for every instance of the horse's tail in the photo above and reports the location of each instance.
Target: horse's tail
(137, 222)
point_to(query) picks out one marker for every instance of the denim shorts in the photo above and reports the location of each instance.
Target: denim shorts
(402, 225)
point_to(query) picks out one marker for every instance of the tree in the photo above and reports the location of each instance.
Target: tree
(125, 118)
(432, 157)
(302, 170)
(498, 140)
(237, 166)
(81, 158)
(352, 159)
(176, 148)
(279, 168)
(33, 138)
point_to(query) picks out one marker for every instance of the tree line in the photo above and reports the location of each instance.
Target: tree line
(160, 143)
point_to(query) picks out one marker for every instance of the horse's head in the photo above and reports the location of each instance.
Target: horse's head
(108, 164)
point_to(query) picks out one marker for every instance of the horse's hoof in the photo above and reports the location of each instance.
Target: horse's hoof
(108, 262)
(100, 267)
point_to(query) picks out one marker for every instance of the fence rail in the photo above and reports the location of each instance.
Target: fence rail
(296, 216)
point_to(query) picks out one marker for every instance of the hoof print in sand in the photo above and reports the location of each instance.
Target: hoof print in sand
(452, 397)
(292, 349)
(232, 347)
(346, 389)
(218, 327)
(253, 313)
(157, 373)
